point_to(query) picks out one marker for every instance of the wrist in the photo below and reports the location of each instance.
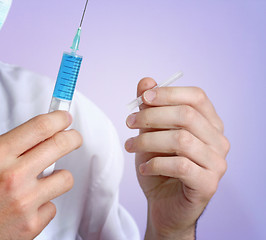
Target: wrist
(185, 234)
(159, 229)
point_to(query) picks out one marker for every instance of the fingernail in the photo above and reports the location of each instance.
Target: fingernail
(69, 117)
(149, 95)
(131, 119)
(142, 168)
(129, 143)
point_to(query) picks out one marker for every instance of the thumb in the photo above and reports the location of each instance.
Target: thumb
(144, 85)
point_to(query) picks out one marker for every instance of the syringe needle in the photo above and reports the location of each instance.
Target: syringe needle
(75, 44)
(83, 13)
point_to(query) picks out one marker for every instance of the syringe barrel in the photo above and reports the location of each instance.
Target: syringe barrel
(64, 89)
(67, 76)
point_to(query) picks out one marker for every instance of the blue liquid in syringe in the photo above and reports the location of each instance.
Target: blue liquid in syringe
(67, 76)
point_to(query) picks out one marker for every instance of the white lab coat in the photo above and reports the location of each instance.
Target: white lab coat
(91, 209)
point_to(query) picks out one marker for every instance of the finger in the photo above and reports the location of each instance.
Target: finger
(45, 214)
(191, 175)
(179, 142)
(35, 131)
(192, 96)
(143, 85)
(49, 151)
(176, 167)
(176, 117)
(60, 182)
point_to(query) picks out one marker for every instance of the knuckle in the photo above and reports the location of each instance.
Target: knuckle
(184, 139)
(183, 168)
(226, 145)
(187, 115)
(11, 180)
(68, 179)
(30, 226)
(21, 206)
(154, 165)
(52, 210)
(78, 138)
(223, 167)
(200, 96)
(43, 125)
(61, 141)
(212, 189)
(220, 126)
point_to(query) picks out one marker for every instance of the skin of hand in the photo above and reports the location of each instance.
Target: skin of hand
(25, 207)
(180, 156)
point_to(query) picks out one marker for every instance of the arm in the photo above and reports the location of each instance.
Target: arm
(180, 157)
(25, 207)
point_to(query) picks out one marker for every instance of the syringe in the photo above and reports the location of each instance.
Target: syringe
(66, 81)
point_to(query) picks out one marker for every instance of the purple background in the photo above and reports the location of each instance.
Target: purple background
(220, 46)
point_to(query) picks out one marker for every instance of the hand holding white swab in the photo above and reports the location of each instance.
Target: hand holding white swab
(138, 101)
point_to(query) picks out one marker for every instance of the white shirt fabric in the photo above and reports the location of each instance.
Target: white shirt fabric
(91, 209)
